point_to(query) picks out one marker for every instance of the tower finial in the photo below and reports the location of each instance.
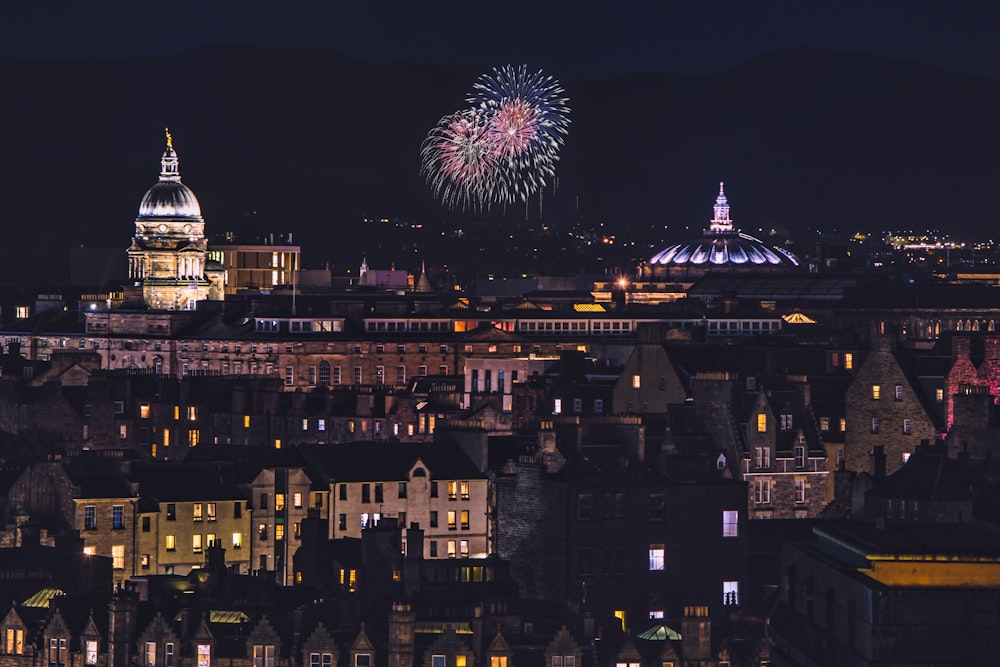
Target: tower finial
(170, 138)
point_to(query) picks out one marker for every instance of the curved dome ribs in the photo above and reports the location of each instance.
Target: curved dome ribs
(723, 245)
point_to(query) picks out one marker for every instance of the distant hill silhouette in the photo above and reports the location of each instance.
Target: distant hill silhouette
(312, 141)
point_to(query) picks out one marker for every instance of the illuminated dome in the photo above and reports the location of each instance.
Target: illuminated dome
(169, 198)
(723, 246)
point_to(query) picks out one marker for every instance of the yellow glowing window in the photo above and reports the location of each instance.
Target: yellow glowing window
(761, 422)
(452, 523)
(90, 551)
(246, 421)
(177, 412)
(279, 502)
(277, 443)
(166, 437)
(620, 615)
(452, 490)
(498, 661)
(939, 395)
(352, 580)
(459, 661)
(848, 360)
(237, 540)
(876, 392)
(636, 381)
(279, 531)
(194, 437)
(144, 411)
(170, 543)
(192, 413)
(463, 489)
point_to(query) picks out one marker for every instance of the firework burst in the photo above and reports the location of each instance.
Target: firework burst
(504, 148)
(459, 160)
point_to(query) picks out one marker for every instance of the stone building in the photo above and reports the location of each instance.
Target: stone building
(885, 408)
(894, 595)
(785, 466)
(168, 258)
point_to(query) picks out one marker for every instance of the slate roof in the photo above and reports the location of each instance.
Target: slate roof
(371, 461)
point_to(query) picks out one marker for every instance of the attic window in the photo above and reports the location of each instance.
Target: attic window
(419, 472)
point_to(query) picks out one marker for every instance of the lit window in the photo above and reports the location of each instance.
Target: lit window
(211, 511)
(196, 543)
(848, 360)
(906, 457)
(194, 437)
(451, 549)
(297, 500)
(170, 543)
(452, 521)
(90, 655)
(636, 381)
(464, 520)
(939, 395)
(196, 511)
(279, 502)
(557, 406)
(237, 540)
(144, 411)
(761, 422)
(192, 413)
(279, 531)
(824, 423)
(656, 556)
(204, 655)
(876, 392)
(730, 592)
(730, 523)
(118, 556)
(246, 421)
(463, 489)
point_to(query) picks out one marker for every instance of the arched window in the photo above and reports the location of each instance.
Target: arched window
(324, 373)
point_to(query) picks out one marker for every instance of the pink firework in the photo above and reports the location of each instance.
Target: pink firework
(514, 127)
(459, 159)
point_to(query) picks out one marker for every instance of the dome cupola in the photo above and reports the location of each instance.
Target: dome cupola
(722, 246)
(169, 198)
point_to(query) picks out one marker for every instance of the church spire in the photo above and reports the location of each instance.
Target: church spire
(169, 166)
(720, 221)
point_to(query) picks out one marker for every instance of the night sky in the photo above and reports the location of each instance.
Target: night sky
(575, 40)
